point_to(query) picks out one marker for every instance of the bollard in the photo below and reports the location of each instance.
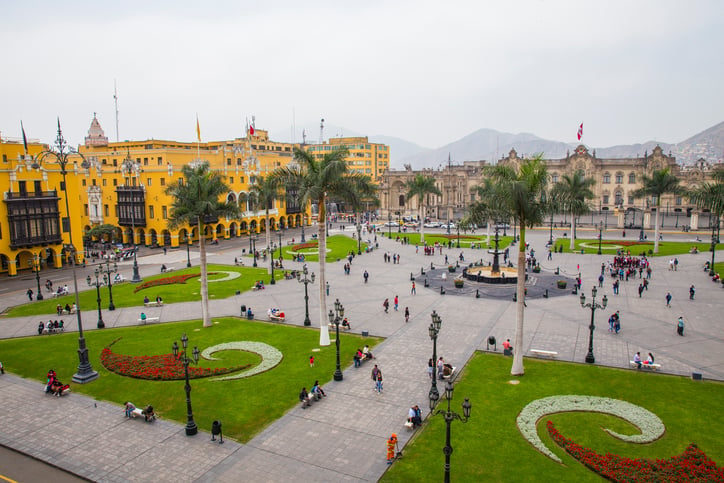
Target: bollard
(545, 295)
(477, 293)
(492, 341)
(442, 290)
(412, 277)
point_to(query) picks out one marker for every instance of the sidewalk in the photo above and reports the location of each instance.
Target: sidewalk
(343, 437)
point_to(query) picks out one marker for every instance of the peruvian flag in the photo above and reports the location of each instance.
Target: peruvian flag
(580, 131)
(251, 130)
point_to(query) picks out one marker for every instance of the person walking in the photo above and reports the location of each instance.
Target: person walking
(397, 303)
(691, 292)
(680, 326)
(668, 299)
(413, 291)
(327, 288)
(386, 305)
(407, 314)
(641, 289)
(29, 293)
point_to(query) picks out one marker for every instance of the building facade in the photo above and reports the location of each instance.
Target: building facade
(368, 158)
(124, 184)
(616, 181)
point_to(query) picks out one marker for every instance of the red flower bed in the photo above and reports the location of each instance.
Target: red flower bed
(302, 246)
(454, 237)
(165, 367)
(168, 280)
(691, 466)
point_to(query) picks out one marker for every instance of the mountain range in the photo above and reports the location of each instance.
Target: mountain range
(491, 145)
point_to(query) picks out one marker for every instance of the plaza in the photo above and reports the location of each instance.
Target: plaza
(343, 438)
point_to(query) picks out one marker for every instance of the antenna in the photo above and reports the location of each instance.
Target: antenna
(321, 131)
(294, 124)
(115, 100)
(304, 136)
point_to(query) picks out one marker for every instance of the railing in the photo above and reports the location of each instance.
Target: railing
(10, 195)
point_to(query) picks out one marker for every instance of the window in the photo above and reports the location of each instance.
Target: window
(93, 182)
(231, 180)
(605, 199)
(149, 182)
(115, 162)
(151, 212)
(619, 178)
(228, 161)
(160, 161)
(163, 181)
(631, 200)
(241, 179)
(238, 161)
(5, 158)
(677, 201)
(145, 161)
(23, 188)
(104, 161)
(164, 212)
(632, 178)
(115, 182)
(105, 209)
(104, 181)
(606, 178)
(554, 178)
(181, 181)
(38, 187)
(85, 209)
(82, 182)
(619, 198)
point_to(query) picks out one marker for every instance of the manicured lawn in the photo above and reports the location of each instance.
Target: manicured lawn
(444, 238)
(244, 406)
(609, 247)
(338, 247)
(491, 448)
(223, 284)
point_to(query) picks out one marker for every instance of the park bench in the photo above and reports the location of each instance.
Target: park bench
(651, 367)
(61, 293)
(54, 330)
(341, 327)
(275, 315)
(540, 352)
(312, 398)
(153, 304)
(148, 320)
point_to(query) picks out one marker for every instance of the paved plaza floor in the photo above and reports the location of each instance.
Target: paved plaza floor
(343, 439)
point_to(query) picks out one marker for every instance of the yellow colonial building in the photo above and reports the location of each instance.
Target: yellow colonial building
(368, 158)
(123, 184)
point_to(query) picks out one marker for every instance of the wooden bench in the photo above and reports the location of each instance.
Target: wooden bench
(153, 304)
(651, 367)
(148, 320)
(540, 352)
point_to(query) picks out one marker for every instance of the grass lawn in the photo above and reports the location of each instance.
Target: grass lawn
(609, 247)
(223, 284)
(338, 247)
(244, 406)
(444, 238)
(490, 447)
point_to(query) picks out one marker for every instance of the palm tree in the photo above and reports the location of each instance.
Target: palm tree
(488, 207)
(421, 186)
(194, 201)
(520, 192)
(658, 184)
(710, 196)
(574, 191)
(318, 180)
(264, 193)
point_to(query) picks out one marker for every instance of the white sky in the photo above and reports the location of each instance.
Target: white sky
(429, 72)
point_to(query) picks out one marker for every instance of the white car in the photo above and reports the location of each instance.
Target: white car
(451, 225)
(432, 224)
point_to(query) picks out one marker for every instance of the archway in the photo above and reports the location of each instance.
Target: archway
(232, 229)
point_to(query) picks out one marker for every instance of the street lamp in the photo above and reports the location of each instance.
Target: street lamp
(188, 254)
(97, 285)
(107, 278)
(389, 225)
(593, 306)
(306, 280)
(303, 240)
(359, 237)
(335, 318)
(271, 262)
(281, 257)
(450, 416)
(35, 267)
(600, 236)
(458, 245)
(60, 152)
(399, 225)
(132, 168)
(714, 241)
(191, 428)
(253, 253)
(434, 330)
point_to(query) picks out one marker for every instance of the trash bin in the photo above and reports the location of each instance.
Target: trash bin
(216, 431)
(243, 310)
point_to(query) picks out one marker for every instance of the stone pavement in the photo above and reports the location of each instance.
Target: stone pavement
(342, 438)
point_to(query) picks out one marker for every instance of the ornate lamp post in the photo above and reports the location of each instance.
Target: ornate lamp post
(600, 236)
(306, 281)
(109, 280)
(458, 245)
(434, 330)
(450, 416)
(35, 267)
(271, 262)
(253, 253)
(399, 225)
(97, 285)
(188, 254)
(389, 225)
(714, 241)
(593, 306)
(335, 318)
(191, 428)
(281, 257)
(60, 152)
(303, 240)
(132, 168)
(359, 238)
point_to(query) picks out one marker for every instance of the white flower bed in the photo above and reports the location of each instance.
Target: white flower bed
(229, 276)
(270, 357)
(651, 427)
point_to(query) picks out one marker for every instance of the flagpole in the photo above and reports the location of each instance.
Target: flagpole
(198, 138)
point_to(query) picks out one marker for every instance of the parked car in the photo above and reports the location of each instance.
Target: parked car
(451, 225)
(432, 224)
(502, 226)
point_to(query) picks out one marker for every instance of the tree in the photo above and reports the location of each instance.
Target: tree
(197, 199)
(710, 196)
(488, 207)
(420, 186)
(265, 193)
(658, 184)
(573, 192)
(520, 193)
(319, 180)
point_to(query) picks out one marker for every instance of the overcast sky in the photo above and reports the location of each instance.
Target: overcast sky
(428, 72)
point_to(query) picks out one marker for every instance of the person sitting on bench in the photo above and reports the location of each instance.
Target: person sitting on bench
(146, 299)
(41, 327)
(67, 308)
(129, 408)
(148, 413)
(415, 416)
(318, 390)
(304, 398)
(249, 313)
(159, 300)
(366, 352)
(345, 324)
(507, 346)
(163, 268)
(143, 317)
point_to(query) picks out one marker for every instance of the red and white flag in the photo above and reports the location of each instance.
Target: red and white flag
(580, 131)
